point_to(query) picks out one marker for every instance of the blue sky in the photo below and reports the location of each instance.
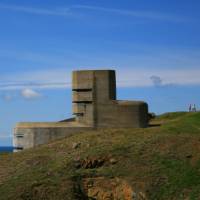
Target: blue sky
(153, 45)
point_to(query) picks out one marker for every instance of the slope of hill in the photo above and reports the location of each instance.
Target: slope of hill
(159, 162)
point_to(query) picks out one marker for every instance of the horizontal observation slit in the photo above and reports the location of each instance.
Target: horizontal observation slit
(82, 90)
(19, 136)
(18, 148)
(86, 102)
(78, 114)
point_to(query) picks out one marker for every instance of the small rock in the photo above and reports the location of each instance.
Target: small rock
(113, 161)
(91, 163)
(75, 145)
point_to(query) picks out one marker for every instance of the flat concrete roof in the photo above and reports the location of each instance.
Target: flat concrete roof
(126, 102)
(50, 125)
(98, 70)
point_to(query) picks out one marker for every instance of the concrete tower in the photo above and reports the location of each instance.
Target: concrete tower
(94, 106)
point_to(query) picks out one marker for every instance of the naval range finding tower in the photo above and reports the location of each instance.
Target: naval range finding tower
(94, 106)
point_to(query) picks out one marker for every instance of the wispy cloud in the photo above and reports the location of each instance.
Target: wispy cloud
(37, 79)
(75, 10)
(5, 136)
(158, 77)
(37, 11)
(126, 77)
(153, 15)
(35, 84)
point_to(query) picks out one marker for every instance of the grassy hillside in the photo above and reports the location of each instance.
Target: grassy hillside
(160, 162)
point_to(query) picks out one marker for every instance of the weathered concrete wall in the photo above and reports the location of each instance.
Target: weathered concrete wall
(95, 102)
(100, 83)
(29, 135)
(83, 96)
(105, 86)
(122, 114)
(23, 139)
(91, 87)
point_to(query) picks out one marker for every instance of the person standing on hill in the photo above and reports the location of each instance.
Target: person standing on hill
(194, 109)
(190, 108)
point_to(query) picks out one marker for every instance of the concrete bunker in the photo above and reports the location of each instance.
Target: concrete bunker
(94, 106)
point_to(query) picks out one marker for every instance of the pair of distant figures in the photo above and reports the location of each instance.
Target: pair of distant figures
(192, 108)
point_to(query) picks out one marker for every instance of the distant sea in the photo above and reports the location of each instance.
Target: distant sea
(6, 149)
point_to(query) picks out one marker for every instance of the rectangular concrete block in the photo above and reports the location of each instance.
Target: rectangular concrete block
(82, 96)
(83, 80)
(79, 108)
(37, 136)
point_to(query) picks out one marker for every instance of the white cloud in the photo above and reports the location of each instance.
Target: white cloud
(142, 78)
(5, 136)
(126, 77)
(30, 94)
(37, 79)
(133, 13)
(37, 11)
(75, 10)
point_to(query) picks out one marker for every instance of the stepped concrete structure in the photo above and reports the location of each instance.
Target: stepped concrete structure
(94, 106)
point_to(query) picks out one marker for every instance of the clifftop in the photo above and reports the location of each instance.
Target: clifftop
(159, 162)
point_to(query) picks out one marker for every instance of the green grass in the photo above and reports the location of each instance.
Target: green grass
(161, 161)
